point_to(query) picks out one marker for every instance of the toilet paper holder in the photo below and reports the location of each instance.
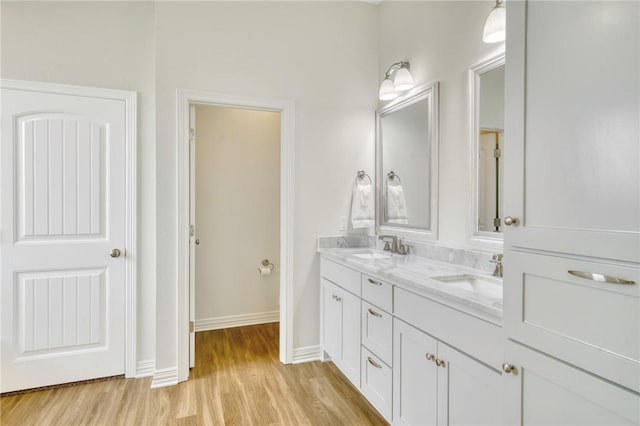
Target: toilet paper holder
(267, 264)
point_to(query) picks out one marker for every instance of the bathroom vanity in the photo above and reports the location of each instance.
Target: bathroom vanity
(421, 339)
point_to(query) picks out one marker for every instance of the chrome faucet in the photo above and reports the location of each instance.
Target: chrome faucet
(497, 259)
(392, 244)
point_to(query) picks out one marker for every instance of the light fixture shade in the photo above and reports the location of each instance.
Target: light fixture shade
(403, 80)
(387, 92)
(494, 28)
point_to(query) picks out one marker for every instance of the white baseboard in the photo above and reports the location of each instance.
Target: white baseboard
(165, 377)
(145, 368)
(307, 354)
(218, 323)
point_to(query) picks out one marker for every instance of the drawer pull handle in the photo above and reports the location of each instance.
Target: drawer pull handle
(601, 278)
(441, 362)
(372, 362)
(374, 282)
(431, 357)
(374, 313)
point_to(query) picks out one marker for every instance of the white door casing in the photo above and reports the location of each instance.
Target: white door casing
(184, 99)
(67, 201)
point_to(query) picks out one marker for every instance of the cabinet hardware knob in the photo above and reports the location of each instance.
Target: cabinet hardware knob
(509, 368)
(441, 362)
(115, 252)
(508, 220)
(372, 362)
(374, 282)
(374, 313)
(431, 357)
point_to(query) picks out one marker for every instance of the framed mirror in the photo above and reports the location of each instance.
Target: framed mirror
(486, 124)
(407, 165)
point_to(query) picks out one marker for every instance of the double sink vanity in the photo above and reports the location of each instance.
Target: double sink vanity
(421, 339)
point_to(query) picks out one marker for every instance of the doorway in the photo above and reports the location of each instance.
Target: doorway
(235, 213)
(187, 236)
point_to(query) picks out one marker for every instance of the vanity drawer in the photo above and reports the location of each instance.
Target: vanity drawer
(377, 292)
(477, 337)
(585, 312)
(377, 331)
(340, 275)
(377, 383)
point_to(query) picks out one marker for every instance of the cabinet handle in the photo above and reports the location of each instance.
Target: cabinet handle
(431, 357)
(374, 282)
(374, 313)
(508, 220)
(509, 368)
(441, 362)
(333, 296)
(600, 278)
(372, 362)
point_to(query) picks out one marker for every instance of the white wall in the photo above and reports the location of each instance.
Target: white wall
(441, 40)
(237, 182)
(322, 56)
(105, 45)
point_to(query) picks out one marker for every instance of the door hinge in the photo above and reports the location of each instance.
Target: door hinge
(192, 135)
(192, 230)
(497, 153)
(192, 327)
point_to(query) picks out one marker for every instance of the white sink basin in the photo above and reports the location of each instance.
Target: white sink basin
(372, 255)
(473, 283)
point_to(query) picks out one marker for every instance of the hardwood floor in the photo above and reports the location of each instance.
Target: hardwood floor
(237, 380)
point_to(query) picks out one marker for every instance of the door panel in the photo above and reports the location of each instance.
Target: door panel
(63, 211)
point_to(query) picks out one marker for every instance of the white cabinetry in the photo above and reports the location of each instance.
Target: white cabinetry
(377, 343)
(433, 383)
(572, 185)
(341, 318)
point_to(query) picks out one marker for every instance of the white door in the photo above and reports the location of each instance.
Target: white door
(63, 216)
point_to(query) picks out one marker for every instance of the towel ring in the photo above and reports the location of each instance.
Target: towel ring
(393, 176)
(362, 175)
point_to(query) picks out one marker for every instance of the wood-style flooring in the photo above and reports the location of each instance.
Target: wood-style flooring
(237, 380)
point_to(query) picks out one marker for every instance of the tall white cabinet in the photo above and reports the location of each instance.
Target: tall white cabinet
(572, 190)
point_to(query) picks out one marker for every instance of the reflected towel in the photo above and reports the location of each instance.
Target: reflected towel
(362, 207)
(396, 205)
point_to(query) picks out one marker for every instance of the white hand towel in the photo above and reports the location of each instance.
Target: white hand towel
(396, 205)
(362, 207)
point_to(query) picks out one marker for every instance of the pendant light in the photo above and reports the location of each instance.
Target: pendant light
(495, 26)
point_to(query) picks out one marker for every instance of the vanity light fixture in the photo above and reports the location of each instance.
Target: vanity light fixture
(397, 79)
(494, 28)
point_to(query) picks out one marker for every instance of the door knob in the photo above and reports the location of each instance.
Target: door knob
(115, 253)
(509, 368)
(508, 220)
(198, 242)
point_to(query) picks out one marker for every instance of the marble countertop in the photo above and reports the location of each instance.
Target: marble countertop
(429, 278)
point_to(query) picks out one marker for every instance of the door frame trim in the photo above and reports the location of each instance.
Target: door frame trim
(130, 99)
(185, 98)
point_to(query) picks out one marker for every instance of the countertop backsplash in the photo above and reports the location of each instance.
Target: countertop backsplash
(459, 256)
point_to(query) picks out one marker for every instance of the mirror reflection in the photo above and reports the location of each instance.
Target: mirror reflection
(486, 145)
(490, 141)
(406, 160)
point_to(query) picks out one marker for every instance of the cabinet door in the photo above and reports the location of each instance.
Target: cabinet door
(571, 143)
(349, 361)
(415, 378)
(331, 320)
(469, 392)
(545, 391)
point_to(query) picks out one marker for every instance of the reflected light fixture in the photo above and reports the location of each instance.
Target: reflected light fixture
(495, 26)
(397, 79)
